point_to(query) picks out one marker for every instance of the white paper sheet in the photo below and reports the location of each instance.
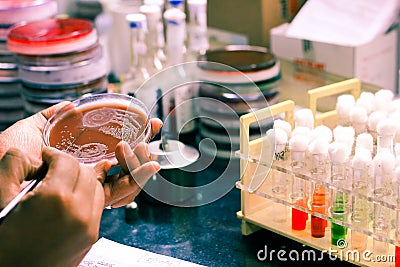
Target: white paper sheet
(343, 22)
(107, 253)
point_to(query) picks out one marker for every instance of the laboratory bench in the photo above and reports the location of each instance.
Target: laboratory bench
(208, 235)
(211, 234)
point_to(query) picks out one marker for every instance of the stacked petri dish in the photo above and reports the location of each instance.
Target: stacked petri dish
(235, 80)
(11, 13)
(58, 59)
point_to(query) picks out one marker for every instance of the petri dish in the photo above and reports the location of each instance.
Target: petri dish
(51, 36)
(8, 72)
(10, 88)
(59, 61)
(89, 128)
(255, 62)
(26, 10)
(58, 76)
(56, 95)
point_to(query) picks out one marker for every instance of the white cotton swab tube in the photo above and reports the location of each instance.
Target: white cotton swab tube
(365, 141)
(321, 131)
(279, 179)
(344, 134)
(279, 138)
(284, 125)
(344, 105)
(304, 117)
(373, 120)
(339, 152)
(361, 178)
(386, 129)
(359, 119)
(318, 151)
(382, 100)
(384, 163)
(366, 101)
(302, 130)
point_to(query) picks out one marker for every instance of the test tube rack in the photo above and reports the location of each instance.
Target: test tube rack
(260, 206)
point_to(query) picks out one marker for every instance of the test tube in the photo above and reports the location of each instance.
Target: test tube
(359, 119)
(298, 147)
(383, 99)
(319, 164)
(386, 129)
(366, 141)
(302, 130)
(280, 180)
(373, 120)
(283, 125)
(362, 172)
(344, 134)
(383, 172)
(339, 155)
(344, 105)
(366, 100)
(281, 159)
(304, 118)
(321, 131)
(303, 124)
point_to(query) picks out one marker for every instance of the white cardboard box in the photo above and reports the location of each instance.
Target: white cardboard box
(374, 62)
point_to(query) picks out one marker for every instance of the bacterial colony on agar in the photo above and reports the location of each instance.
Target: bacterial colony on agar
(98, 132)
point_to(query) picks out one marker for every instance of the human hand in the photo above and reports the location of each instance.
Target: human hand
(26, 134)
(136, 169)
(57, 222)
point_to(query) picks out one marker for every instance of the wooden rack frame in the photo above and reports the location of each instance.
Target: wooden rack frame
(258, 205)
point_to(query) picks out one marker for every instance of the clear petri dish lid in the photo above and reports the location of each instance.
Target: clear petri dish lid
(90, 127)
(51, 36)
(12, 11)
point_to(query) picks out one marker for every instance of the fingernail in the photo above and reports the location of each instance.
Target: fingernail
(156, 166)
(127, 149)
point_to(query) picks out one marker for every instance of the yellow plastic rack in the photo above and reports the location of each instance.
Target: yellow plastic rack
(259, 205)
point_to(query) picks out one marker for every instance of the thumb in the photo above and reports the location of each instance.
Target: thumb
(48, 112)
(15, 166)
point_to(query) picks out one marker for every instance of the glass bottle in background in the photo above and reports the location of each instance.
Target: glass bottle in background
(156, 26)
(137, 80)
(197, 29)
(197, 41)
(180, 4)
(160, 3)
(179, 86)
(118, 35)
